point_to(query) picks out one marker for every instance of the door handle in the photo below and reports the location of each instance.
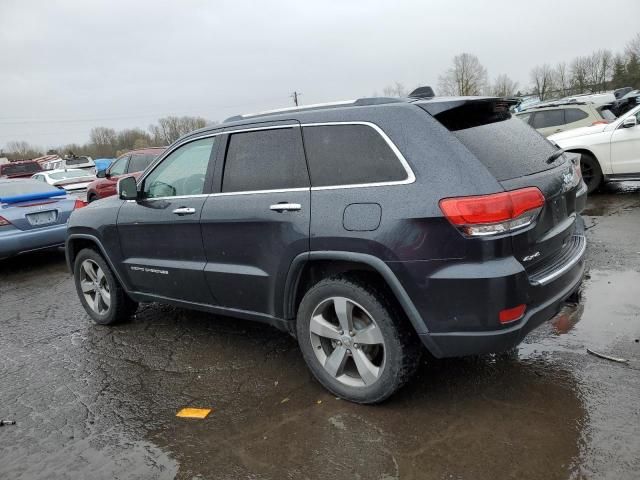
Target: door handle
(184, 211)
(282, 207)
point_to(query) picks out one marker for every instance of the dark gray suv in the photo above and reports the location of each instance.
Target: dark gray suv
(364, 228)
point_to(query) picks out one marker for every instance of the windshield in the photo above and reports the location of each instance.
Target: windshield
(63, 175)
(22, 187)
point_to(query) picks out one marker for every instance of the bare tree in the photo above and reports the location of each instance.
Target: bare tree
(467, 76)
(561, 79)
(104, 141)
(503, 86)
(633, 46)
(169, 129)
(396, 90)
(542, 78)
(21, 151)
(579, 74)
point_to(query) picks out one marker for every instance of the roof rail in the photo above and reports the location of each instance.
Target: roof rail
(557, 104)
(360, 102)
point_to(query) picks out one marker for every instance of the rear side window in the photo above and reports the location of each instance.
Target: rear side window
(548, 118)
(139, 162)
(265, 160)
(574, 115)
(349, 155)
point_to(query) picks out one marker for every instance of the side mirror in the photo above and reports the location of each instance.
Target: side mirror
(127, 188)
(632, 121)
(101, 173)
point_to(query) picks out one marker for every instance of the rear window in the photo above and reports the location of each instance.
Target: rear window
(76, 161)
(350, 155)
(19, 168)
(63, 175)
(574, 115)
(607, 114)
(139, 162)
(548, 118)
(506, 146)
(23, 187)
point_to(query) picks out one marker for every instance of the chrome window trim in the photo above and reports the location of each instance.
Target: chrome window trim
(411, 178)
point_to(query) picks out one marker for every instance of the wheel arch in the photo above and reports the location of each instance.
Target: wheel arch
(317, 265)
(78, 241)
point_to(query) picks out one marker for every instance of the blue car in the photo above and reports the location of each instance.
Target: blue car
(33, 216)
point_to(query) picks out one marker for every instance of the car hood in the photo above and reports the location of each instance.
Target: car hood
(578, 132)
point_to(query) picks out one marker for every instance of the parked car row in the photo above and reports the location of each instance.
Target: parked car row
(556, 117)
(35, 203)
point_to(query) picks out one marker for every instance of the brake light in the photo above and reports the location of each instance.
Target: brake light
(600, 122)
(79, 204)
(4, 222)
(509, 315)
(493, 214)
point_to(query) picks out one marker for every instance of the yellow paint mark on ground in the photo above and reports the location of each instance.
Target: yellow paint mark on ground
(194, 413)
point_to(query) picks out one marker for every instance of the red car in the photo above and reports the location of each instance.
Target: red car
(19, 169)
(130, 164)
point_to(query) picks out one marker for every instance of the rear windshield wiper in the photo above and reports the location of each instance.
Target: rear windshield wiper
(555, 155)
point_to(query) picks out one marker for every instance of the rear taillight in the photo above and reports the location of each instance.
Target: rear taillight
(4, 222)
(600, 122)
(493, 214)
(509, 315)
(79, 204)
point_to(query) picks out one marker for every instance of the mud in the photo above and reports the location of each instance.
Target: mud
(99, 402)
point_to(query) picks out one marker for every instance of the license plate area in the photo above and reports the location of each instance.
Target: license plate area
(42, 218)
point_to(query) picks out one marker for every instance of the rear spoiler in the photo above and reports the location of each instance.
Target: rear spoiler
(443, 103)
(27, 197)
(458, 113)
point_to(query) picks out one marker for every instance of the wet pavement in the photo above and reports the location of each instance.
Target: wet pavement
(100, 402)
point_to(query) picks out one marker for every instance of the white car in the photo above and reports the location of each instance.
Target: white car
(609, 153)
(73, 180)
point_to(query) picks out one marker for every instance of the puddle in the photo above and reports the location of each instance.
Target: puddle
(607, 319)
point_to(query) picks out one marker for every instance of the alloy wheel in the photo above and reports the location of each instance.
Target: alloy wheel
(95, 287)
(347, 342)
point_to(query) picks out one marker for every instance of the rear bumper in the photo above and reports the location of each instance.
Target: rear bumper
(14, 241)
(459, 303)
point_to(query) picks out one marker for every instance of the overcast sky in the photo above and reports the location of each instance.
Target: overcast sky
(69, 65)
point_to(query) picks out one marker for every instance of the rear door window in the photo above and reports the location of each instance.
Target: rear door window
(140, 161)
(350, 155)
(574, 115)
(270, 159)
(607, 114)
(548, 118)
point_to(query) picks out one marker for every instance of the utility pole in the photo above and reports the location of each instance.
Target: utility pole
(295, 96)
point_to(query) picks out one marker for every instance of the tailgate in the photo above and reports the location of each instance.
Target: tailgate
(552, 237)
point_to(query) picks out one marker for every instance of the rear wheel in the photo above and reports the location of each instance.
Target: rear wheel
(354, 340)
(92, 197)
(101, 295)
(591, 172)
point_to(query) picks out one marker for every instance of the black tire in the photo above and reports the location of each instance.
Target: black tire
(401, 347)
(120, 307)
(92, 198)
(591, 172)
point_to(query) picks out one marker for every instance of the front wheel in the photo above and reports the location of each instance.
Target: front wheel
(591, 172)
(101, 295)
(354, 340)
